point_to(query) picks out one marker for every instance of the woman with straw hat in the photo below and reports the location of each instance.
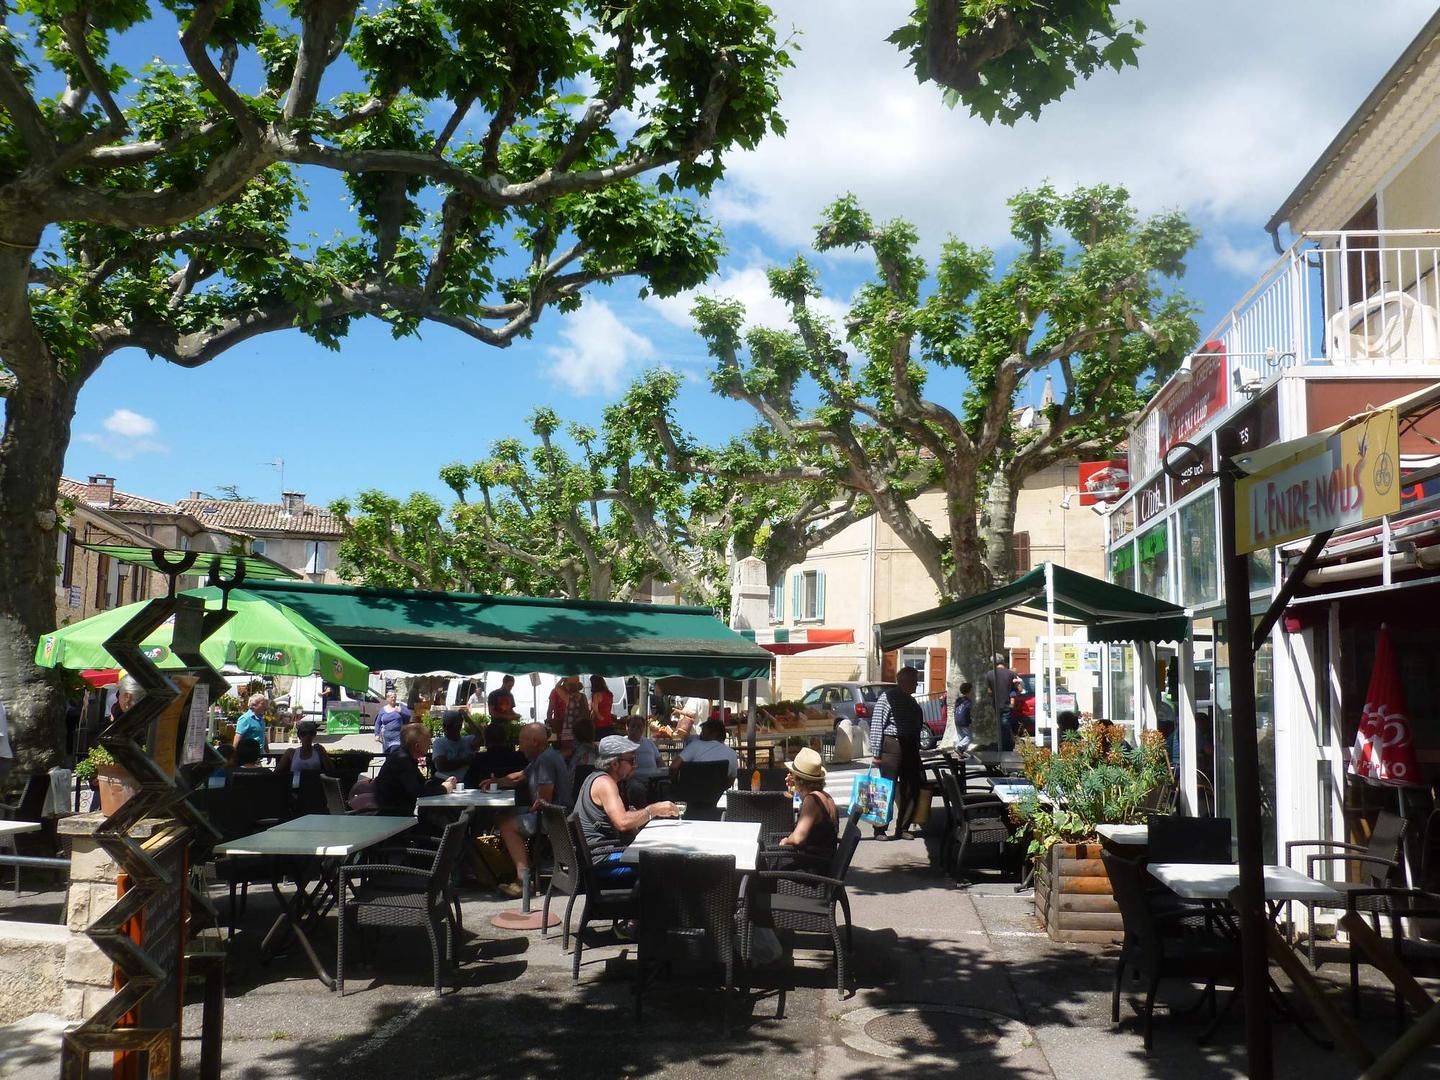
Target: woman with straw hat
(816, 833)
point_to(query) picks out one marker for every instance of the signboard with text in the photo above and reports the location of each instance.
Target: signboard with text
(1351, 477)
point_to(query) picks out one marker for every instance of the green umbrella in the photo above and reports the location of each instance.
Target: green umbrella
(262, 637)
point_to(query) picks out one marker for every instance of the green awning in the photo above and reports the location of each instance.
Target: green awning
(411, 630)
(172, 560)
(1112, 612)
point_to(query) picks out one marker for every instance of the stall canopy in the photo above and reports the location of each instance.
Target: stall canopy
(1112, 612)
(410, 630)
(783, 642)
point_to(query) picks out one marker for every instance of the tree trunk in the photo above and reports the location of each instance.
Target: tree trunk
(997, 527)
(38, 413)
(980, 644)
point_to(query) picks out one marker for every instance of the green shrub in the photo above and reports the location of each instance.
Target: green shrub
(86, 770)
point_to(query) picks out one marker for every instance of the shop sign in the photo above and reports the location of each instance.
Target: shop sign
(1150, 500)
(1349, 477)
(1184, 407)
(1103, 481)
(1122, 520)
(1257, 425)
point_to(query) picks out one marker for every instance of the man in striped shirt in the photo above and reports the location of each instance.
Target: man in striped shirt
(895, 746)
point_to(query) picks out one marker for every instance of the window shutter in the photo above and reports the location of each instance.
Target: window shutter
(1020, 661)
(1021, 550)
(889, 664)
(797, 588)
(820, 594)
(777, 602)
(67, 578)
(935, 667)
(102, 579)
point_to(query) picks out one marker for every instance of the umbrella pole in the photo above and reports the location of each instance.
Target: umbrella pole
(750, 722)
(1050, 656)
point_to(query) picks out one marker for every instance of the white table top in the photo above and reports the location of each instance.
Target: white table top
(1138, 835)
(11, 828)
(325, 835)
(738, 838)
(1215, 881)
(468, 797)
(1012, 793)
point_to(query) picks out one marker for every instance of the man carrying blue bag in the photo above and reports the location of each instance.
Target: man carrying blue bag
(895, 747)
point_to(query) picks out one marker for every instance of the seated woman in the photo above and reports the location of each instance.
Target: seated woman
(583, 753)
(811, 844)
(400, 781)
(301, 766)
(607, 825)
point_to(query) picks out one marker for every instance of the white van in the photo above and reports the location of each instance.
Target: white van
(308, 691)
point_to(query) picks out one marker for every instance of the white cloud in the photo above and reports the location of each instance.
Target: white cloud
(125, 435)
(748, 285)
(1249, 261)
(599, 350)
(1231, 103)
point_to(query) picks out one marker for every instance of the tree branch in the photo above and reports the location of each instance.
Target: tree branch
(193, 41)
(957, 68)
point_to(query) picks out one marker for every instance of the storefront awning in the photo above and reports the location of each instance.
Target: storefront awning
(1112, 612)
(784, 642)
(412, 630)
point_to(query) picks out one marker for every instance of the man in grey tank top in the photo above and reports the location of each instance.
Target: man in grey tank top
(607, 824)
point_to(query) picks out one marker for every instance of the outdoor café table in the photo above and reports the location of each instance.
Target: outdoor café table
(14, 828)
(738, 838)
(329, 839)
(1123, 836)
(1010, 794)
(460, 800)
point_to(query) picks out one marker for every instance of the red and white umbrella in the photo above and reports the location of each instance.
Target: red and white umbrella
(1384, 750)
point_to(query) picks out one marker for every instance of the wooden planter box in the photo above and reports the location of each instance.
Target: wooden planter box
(1073, 896)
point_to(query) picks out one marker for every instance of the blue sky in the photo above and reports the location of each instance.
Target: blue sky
(1231, 104)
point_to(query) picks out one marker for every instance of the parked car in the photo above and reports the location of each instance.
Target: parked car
(855, 701)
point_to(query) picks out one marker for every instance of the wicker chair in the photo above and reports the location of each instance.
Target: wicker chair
(1172, 945)
(618, 902)
(1379, 861)
(686, 919)
(334, 797)
(29, 807)
(803, 902)
(1398, 906)
(774, 810)
(400, 895)
(699, 784)
(565, 877)
(1188, 840)
(976, 821)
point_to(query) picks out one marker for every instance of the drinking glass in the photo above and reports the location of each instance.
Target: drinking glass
(680, 809)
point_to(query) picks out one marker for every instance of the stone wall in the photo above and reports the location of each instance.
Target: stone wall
(32, 969)
(89, 974)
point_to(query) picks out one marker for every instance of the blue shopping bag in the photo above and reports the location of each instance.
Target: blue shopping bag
(876, 795)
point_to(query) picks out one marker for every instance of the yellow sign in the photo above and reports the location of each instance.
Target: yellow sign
(1069, 658)
(1345, 476)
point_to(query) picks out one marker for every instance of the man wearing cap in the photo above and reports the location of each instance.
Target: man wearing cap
(710, 746)
(607, 825)
(453, 752)
(545, 779)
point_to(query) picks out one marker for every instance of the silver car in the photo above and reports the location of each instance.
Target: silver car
(855, 701)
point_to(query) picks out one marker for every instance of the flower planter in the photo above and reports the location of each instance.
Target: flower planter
(116, 786)
(1073, 897)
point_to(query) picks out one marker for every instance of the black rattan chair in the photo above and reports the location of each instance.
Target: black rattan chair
(398, 895)
(699, 784)
(772, 779)
(774, 810)
(29, 807)
(1397, 906)
(1188, 840)
(686, 920)
(979, 826)
(801, 902)
(1176, 944)
(334, 797)
(565, 879)
(618, 901)
(1379, 862)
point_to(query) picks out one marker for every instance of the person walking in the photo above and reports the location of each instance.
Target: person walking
(602, 707)
(1001, 683)
(389, 721)
(895, 746)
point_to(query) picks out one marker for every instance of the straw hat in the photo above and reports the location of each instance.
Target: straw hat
(807, 766)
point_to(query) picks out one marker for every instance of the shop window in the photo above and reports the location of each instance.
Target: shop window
(1199, 553)
(1122, 566)
(1264, 736)
(1152, 560)
(1262, 570)
(915, 657)
(1122, 685)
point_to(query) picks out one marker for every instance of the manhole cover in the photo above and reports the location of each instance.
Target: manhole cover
(933, 1034)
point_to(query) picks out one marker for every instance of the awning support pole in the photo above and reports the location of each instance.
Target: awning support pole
(1277, 607)
(1250, 896)
(750, 722)
(1050, 655)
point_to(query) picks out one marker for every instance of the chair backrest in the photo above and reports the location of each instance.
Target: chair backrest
(845, 849)
(772, 809)
(1189, 840)
(259, 791)
(452, 841)
(584, 860)
(687, 908)
(699, 784)
(1385, 841)
(562, 845)
(950, 792)
(31, 806)
(1128, 883)
(773, 779)
(334, 798)
(1159, 799)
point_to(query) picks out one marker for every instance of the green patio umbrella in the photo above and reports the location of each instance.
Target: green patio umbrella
(262, 637)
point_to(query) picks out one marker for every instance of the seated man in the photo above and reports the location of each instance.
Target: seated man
(710, 746)
(454, 752)
(607, 825)
(499, 758)
(647, 754)
(545, 779)
(400, 781)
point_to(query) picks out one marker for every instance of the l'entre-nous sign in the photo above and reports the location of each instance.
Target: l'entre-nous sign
(1350, 477)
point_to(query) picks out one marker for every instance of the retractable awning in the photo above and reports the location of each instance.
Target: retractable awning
(1112, 612)
(784, 642)
(414, 630)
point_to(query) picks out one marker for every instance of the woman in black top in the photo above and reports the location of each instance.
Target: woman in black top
(400, 781)
(811, 844)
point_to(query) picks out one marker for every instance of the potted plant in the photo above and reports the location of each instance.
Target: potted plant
(1094, 779)
(114, 782)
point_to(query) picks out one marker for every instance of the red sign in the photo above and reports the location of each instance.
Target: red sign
(1384, 750)
(1183, 407)
(1103, 481)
